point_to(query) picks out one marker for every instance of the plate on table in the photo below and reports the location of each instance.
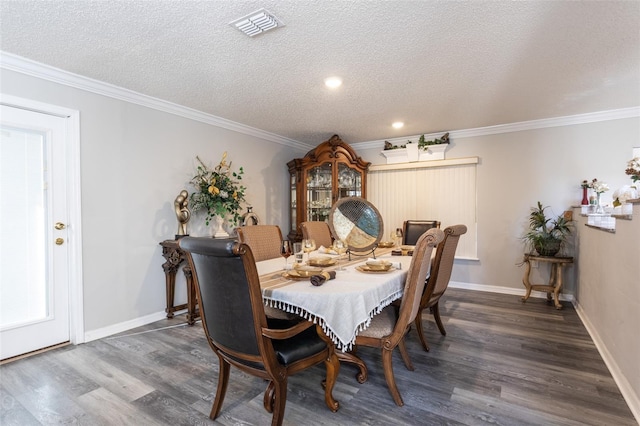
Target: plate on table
(386, 244)
(368, 270)
(378, 265)
(321, 261)
(305, 271)
(301, 274)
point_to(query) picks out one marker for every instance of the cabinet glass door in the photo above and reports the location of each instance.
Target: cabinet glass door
(319, 192)
(349, 182)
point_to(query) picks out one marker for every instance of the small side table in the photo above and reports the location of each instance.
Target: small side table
(175, 257)
(555, 280)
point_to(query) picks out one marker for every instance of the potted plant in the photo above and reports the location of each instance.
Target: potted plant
(219, 192)
(546, 235)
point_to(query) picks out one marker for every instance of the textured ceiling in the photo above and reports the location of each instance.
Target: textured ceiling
(438, 66)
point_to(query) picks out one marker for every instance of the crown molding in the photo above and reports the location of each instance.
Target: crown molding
(36, 69)
(25, 66)
(592, 117)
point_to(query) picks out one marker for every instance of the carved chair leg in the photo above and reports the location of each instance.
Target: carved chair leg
(436, 315)
(405, 355)
(280, 402)
(387, 363)
(269, 397)
(223, 380)
(420, 331)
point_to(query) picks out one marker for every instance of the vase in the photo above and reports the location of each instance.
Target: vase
(218, 231)
(599, 208)
(585, 198)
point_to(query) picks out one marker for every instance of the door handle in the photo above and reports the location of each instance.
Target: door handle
(59, 226)
(59, 241)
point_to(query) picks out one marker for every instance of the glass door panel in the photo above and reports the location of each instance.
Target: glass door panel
(349, 182)
(319, 192)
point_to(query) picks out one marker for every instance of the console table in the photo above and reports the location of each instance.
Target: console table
(555, 280)
(175, 257)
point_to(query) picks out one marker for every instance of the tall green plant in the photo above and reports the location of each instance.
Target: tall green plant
(546, 235)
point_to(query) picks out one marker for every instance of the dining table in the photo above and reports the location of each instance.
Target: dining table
(341, 307)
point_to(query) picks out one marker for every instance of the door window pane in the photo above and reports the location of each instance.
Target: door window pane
(23, 213)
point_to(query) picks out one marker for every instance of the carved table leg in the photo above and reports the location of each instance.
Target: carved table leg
(525, 280)
(558, 285)
(351, 358)
(191, 296)
(333, 368)
(170, 269)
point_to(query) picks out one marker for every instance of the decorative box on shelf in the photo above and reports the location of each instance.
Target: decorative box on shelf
(623, 209)
(412, 153)
(602, 221)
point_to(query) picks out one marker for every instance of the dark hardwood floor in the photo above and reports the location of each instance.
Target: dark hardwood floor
(501, 363)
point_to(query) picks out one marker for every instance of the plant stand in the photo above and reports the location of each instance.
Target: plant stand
(555, 280)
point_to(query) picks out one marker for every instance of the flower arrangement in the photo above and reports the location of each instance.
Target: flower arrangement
(217, 191)
(584, 184)
(598, 186)
(633, 169)
(627, 192)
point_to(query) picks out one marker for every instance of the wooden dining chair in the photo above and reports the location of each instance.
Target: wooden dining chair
(318, 231)
(238, 331)
(264, 240)
(439, 277)
(412, 229)
(387, 329)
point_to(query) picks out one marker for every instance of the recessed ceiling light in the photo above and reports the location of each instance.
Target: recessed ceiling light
(398, 125)
(257, 22)
(333, 82)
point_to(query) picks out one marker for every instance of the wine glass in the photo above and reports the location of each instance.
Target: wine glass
(396, 236)
(308, 245)
(285, 251)
(340, 246)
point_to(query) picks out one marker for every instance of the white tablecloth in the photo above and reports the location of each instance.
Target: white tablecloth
(342, 306)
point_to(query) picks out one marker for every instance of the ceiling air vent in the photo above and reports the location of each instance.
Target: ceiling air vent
(257, 22)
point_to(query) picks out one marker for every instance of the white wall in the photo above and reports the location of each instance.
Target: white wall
(134, 162)
(518, 169)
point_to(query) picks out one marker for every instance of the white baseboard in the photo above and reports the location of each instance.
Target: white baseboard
(633, 400)
(506, 290)
(124, 326)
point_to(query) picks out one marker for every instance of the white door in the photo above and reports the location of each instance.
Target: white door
(34, 269)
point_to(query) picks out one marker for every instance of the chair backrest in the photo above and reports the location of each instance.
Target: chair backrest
(264, 240)
(318, 231)
(442, 265)
(415, 282)
(229, 296)
(412, 229)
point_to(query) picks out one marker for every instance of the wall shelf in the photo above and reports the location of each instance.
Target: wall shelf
(610, 230)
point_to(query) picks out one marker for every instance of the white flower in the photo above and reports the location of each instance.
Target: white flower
(224, 194)
(627, 192)
(599, 186)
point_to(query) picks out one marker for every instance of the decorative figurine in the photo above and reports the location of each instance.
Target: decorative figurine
(250, 218)
(181, 205)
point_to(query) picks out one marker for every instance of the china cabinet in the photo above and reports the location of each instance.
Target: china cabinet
(327, 173)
